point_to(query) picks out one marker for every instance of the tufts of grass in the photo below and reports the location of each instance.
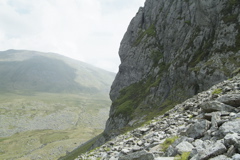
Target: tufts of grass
(217, 91)
(188, 22)
(168, 142)
(183, 156)
(150, 32)
(236, 71)
(126, 108)
(132, 96)
(156, 56)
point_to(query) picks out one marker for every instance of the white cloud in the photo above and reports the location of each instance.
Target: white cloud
(87, 30)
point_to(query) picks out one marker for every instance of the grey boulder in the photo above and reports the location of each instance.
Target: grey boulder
(141, 155)
(230, 99)
(198, 129)
(213, 106)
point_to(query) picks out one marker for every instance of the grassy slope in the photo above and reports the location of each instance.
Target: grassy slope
(43, 143)
(49, 104)
(90, 112)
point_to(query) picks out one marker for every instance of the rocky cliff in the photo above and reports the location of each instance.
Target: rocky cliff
(171, 51)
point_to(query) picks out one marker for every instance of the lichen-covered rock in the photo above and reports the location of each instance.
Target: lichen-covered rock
(230, 99)
(231, 139)
(221, 157)
(236, 157)
(198, 129)
(184, 147)
(216, 119)
(213, 106)
(141, 155)
(212, 150)
(230, 127)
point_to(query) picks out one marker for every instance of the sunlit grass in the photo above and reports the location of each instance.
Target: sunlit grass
(43, 142)
(51, 143)
(168, 142)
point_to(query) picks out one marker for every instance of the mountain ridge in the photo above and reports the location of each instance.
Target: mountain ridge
(39, 71)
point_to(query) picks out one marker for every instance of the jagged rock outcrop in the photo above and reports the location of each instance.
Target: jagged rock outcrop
(187, 130)
(171, 51)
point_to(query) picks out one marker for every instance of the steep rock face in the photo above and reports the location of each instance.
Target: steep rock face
(172, 50)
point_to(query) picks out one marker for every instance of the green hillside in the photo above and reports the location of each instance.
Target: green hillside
(42, 124)
(48, 101)
(33, 71)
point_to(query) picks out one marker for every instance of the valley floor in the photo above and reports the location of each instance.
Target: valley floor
(48, 125)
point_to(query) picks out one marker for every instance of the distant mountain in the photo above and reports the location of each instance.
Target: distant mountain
(32, 71)
(47, 101)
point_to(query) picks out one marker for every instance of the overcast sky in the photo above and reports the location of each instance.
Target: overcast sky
(86, 30)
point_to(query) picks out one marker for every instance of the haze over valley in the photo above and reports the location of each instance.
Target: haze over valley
(48, 101)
